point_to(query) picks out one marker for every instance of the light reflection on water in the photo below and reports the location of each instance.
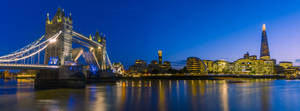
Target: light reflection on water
(255, 94)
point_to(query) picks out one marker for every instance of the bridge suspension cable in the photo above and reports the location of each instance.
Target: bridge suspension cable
(24, 48)
(29, 50)
(86, 39)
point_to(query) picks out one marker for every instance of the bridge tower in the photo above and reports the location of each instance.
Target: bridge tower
(61, 49)
(100, 52)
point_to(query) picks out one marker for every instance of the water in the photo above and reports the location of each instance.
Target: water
(173, 95)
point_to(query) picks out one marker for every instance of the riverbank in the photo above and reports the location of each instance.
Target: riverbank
(201, 77)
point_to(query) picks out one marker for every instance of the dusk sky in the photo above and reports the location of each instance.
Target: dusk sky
(136, 29)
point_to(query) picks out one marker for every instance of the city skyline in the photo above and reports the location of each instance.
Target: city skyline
(149, 55)
(146, 30)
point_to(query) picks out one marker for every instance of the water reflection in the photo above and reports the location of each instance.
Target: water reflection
(224, 96)
(149, 95)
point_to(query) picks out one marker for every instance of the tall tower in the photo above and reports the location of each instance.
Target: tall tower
(264, 49)
(101, 51)
(160, 57)
(61, 50)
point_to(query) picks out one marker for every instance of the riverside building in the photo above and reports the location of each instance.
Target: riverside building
(155, 67)
(221, 67)
(249, 64)
(139, 66)
(195, 65)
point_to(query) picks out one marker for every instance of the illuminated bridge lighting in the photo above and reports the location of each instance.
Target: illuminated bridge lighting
(28, 66)
(28, 57)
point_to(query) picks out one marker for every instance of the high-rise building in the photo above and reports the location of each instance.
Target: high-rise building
(264, 49)
(160, 57)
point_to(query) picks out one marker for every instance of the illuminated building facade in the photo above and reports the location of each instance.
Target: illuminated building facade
(221, 66)
(249, 64)
(160, 67)
(160, 57)
(27, 74)
(153, 67)
(285, 64)
(252, 65)
(166, 65)
(195, 65)
(7, 75)
(208, 65)
(119, 68)
(139, 66)
(268, 64)
(286, 67)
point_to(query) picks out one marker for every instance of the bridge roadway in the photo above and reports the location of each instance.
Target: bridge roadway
(27, 66)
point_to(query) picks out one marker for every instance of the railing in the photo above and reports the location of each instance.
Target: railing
(29, 66)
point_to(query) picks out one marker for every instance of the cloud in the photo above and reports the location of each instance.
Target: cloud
(178, 64)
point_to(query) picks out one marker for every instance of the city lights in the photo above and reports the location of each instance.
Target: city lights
(158, 55)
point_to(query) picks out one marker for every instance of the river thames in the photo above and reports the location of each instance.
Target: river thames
(152, 95)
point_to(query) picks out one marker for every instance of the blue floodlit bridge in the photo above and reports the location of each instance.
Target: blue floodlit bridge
(54, 49)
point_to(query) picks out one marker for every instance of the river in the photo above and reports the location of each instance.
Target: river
(155, 95)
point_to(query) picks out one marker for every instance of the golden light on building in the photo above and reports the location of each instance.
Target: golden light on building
(264, 27)
(160, 57)
(195, 65)
(7, 75)
(252, 65)
(159, 52)
(90, 37)
(285, 64)
(48, 20)
(59, 19)
(91, 48)
(221, 66)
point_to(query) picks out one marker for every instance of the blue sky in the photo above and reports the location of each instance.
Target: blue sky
(210, 29)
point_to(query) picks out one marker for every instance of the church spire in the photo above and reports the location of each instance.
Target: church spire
(264, 49)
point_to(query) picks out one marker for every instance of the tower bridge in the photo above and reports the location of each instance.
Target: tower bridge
(56, 47)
